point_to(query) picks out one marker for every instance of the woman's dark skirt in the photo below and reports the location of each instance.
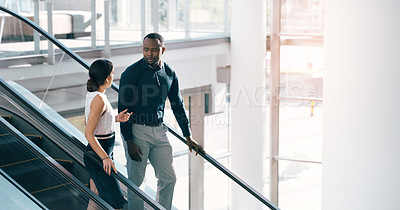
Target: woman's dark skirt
(107, 186)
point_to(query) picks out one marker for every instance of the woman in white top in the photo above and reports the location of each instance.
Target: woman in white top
(100, 133)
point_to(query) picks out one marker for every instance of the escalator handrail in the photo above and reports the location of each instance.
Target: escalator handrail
(51, 163)
(228, 173)
(115, 87)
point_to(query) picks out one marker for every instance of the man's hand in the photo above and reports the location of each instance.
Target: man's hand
(134, 151)
(192, 143)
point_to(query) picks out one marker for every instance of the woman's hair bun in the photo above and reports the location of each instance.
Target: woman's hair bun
(91, 85)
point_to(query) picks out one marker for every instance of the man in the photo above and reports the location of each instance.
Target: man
(144, 88)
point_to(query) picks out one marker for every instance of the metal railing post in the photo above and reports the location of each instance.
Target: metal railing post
(93, 24)
(107, 49)
(155, 15)
(226, 18)
(2, 23)
(187, 19)
(274, 101)
(143, 18)
(36, 37)
(50, 58)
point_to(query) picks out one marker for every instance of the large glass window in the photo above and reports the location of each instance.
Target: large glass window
(300, 124)
(296, 180)
(96, 25)
(297, 68)
(301, 16)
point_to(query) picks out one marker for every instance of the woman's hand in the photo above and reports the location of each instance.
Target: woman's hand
(108, 165)
(123, 116)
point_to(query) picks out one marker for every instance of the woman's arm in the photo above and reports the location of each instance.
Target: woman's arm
(97, 107)
(123, 116)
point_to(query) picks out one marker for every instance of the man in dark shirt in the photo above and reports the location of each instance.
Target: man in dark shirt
(144, 88)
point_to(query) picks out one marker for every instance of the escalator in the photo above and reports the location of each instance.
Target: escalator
(43, 153)
(14, 196)
(48, 180)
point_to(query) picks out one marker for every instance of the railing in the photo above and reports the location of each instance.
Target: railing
(115, 87)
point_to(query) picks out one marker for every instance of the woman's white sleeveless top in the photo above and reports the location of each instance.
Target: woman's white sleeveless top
(107, 120)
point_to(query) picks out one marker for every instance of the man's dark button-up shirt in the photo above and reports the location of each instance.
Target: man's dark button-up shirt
(143, 91)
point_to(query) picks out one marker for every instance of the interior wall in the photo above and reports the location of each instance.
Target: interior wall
(361, 105)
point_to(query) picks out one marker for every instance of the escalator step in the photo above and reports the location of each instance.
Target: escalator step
(3, 131)
(32, 174)
(62, 196)
(35, 139)
(9, 143)
(5, 140)
(35, 176)
(7, 117)
(11, 149)
(67, 164)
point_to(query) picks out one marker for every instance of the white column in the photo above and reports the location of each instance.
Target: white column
(155, 14)
(107, 12)
(172, 15)
(93, 23)
(50, 48)
(122, 12)
(143, 20)
(187, 19)
(36, 37)
(274, 92)
(361, 149)
(248, 94)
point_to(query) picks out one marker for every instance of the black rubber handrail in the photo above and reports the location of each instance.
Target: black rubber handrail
(228, 173)
(115, 87)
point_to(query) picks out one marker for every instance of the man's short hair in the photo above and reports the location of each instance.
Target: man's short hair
(155, 36)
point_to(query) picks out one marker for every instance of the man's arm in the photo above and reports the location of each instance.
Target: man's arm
(126, 100)
(178, 108)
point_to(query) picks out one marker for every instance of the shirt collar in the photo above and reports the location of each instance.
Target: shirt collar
(147, 65)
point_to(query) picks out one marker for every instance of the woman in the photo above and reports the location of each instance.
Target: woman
(100, 133)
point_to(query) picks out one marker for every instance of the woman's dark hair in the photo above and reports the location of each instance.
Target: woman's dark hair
(98, 73)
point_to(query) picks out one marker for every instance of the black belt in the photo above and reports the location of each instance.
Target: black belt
(150, 125)
(105, 136)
